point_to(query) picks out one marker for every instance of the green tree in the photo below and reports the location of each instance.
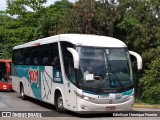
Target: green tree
(140, 25)
(150, 83)
(53, 21)
(139, 28)
(12, 32)
(19, 7)
(20, 29)
(3, 32)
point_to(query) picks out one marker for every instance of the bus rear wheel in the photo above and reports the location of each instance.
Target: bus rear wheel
(23, 96)
(59, 103)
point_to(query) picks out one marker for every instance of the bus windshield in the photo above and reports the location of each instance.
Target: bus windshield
(104, 69)
(4, 74)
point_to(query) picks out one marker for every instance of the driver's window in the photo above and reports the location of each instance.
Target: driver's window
(71, 70)
(68, 62)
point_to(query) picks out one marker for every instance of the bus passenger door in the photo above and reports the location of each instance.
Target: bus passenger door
(71, 99)
(71, 89)
(69, 78)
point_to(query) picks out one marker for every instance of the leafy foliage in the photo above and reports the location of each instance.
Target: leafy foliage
(53, 21)
(150, 83)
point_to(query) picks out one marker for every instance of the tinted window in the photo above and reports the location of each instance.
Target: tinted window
(54, 56)
(35, 56)
(27, 56)
(17, 57)
(44, 56)
(68, 61)
(38, 55)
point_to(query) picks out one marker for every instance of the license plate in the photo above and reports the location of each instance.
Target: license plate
(111, 108)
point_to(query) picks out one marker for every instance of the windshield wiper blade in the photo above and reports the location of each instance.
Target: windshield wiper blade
(117, 79)
(103, 73)
(105, 68)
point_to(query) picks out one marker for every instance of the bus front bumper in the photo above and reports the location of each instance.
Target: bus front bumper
(90, 107)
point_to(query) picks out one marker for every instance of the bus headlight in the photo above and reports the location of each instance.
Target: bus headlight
(129, 97)
(89, 99)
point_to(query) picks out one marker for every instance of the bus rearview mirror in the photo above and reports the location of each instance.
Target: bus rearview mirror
(139, 59)
(75, 57)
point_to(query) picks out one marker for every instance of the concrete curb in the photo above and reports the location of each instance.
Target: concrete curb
(136, 105)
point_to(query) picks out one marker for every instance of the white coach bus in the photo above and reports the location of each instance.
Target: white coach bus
(76, 72)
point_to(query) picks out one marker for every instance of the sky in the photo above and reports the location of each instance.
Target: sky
(3, 3)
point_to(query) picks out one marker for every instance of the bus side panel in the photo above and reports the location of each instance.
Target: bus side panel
(15, 83)
(39, 81)
(51, 79)
(47, 85)
(31, 79)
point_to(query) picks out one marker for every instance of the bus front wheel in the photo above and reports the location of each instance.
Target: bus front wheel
(23, 96)
(59, 103)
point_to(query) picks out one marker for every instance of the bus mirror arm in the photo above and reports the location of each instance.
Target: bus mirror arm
(139, 59)
(75, 57)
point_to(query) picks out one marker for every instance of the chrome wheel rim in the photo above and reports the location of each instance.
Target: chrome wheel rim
(60, 103)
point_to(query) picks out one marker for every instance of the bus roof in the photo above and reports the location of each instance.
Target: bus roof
(5, 60)
(77, 39)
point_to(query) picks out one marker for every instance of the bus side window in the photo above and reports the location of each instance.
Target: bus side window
(54, 56)
(27, 61)
(55, 61)
(44, 55)
(45, 60)
(35, 56)
(27, 57)
(35, 61)
(17, 57)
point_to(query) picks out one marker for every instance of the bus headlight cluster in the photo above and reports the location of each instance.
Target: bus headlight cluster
(129, 97)
(89, 99)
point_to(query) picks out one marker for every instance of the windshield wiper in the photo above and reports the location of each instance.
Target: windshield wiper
(110, 73)
(103, 73)
(104, 70)
(117, 79)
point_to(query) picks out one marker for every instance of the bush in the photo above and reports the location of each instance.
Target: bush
(150, 83)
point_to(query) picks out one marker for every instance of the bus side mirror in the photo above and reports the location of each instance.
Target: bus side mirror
(75, 57)
(139, 59)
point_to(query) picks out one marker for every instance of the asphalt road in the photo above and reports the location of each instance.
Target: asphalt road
(11, 101)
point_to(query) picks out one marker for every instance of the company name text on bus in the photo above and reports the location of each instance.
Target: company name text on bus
(33, 76)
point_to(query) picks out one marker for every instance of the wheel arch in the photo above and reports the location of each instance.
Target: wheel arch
(59, 91)
(20, 85)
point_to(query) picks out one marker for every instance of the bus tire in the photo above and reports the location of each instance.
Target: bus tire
(23, 96)
(59, 103)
